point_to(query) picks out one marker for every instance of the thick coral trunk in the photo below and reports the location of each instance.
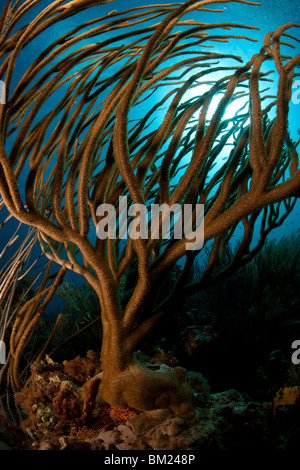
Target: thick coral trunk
(129, 383)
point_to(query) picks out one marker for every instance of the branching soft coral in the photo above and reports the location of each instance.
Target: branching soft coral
(89, 150)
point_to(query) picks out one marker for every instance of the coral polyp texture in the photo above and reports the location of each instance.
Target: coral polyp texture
(119, 108)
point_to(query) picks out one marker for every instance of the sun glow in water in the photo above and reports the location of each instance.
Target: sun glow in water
(235, 114)
(237, 105)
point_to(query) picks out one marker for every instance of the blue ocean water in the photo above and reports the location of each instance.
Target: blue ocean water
(270, 15)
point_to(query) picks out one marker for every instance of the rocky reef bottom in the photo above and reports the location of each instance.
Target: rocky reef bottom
(61, 409)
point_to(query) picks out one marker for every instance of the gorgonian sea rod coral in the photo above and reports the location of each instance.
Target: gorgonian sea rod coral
(94, 145)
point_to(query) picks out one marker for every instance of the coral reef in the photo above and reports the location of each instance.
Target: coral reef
(60, 166)
(83, 368)
(87, 150)
(224, 421)
(56, 396)
(64, 412)
(63, 399)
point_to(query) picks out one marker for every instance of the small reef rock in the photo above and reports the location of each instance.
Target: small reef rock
(227, 422)
(63, 410)
(195, 343)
